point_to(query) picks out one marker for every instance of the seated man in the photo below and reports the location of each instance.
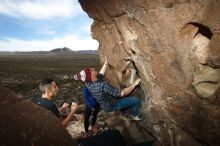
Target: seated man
(107, 96)
(49, 89)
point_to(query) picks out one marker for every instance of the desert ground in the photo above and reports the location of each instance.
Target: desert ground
(22, 72)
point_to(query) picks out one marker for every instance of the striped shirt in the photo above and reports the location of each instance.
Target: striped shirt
(104, 93)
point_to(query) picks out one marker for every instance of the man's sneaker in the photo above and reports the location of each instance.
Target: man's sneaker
(137, 118)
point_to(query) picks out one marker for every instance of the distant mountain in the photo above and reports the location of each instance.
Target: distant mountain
(25, 53)
(87, 52)
(61, 50)
(67, 50)
(5, 53)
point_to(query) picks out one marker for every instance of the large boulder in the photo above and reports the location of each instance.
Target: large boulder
(131, 132)
(24, 123)
(174, 46)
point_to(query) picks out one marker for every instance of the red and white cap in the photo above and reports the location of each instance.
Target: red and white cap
(84, 75)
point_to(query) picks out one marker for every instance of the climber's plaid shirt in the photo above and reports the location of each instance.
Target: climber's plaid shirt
(104, 93)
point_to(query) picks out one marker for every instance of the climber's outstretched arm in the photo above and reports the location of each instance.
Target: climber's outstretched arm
(128, 89)
(104, 67)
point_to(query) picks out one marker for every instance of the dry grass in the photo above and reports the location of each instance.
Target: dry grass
(22, 73)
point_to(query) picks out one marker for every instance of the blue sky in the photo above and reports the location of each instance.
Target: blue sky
(42, 25)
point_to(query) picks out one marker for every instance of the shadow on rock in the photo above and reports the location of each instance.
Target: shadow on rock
(26, 124)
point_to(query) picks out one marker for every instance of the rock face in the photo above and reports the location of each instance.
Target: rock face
(130, 131)
(174, 46)
(23, 123)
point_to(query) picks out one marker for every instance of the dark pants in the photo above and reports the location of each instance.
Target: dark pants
(87, 114)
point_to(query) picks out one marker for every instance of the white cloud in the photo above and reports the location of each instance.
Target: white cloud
(86, 28)
(39, 9)
(41, 22)
(71, 41)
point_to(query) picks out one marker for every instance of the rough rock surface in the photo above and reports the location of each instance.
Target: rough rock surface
(174, 46)
(131, 132)
(23, 123)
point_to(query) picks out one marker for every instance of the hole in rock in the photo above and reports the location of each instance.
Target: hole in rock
(204, 30)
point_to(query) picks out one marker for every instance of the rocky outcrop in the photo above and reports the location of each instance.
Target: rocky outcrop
(131, 132)
(174, 46)
(24, 123)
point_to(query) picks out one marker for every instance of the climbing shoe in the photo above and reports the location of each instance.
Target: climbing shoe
(137, 118)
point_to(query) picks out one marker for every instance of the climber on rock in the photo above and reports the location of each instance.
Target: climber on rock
(92, 107)
(49, 89)
(109, 97)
